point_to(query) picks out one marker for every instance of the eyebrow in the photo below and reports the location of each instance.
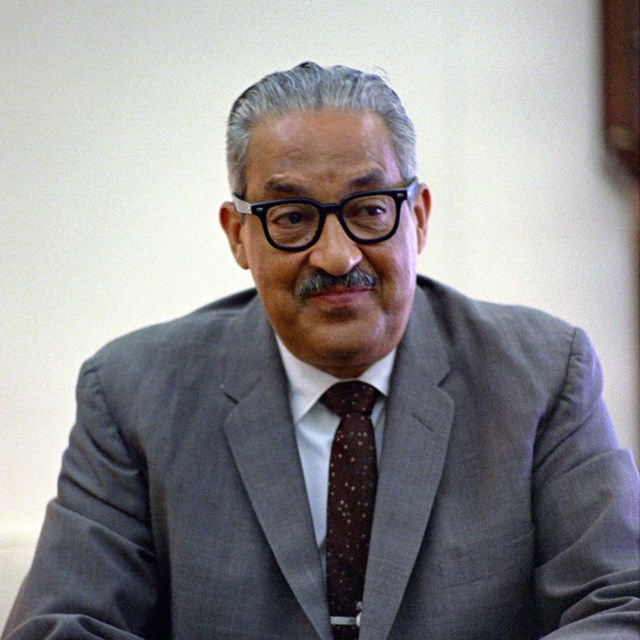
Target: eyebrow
(276, 186)
(374, 179)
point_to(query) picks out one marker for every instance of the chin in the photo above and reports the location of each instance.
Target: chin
(349, 358)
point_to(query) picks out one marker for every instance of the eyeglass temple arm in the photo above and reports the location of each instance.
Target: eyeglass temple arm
(240, 205)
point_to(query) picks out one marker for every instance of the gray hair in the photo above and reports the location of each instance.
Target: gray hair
(310, 86)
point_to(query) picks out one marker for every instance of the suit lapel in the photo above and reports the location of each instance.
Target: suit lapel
(261, 436)
(419, 416)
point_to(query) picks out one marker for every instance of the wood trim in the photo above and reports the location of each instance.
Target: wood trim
(621, 80)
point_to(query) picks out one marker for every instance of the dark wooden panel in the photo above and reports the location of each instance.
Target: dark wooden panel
(621, 67)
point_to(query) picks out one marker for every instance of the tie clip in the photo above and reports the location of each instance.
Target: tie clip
(347, 621)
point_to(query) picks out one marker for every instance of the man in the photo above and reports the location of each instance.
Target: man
(198, 496)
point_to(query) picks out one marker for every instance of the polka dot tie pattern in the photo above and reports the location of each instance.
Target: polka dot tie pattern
(352, 491)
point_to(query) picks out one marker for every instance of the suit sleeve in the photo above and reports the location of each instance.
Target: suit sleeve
(94, 573)
(586, 495)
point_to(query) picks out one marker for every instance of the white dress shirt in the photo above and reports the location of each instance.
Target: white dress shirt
(315, 425)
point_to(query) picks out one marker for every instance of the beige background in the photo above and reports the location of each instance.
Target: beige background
(112, 167)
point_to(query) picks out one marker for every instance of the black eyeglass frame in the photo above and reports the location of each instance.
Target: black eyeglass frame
(260, 209)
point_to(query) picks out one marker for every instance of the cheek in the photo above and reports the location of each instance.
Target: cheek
(269, 267)
(398, 263)
(398, 275)
(275, 276)
(409, 250)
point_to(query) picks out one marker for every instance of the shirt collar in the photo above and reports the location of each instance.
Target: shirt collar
(307, 383)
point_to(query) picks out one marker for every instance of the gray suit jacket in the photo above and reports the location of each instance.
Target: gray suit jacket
(504, 509)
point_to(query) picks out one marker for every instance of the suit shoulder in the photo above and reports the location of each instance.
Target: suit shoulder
(513, 349)
(177, 338)
(506, 340)
(459, 315)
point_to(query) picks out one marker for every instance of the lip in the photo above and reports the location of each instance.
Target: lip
(339, 296)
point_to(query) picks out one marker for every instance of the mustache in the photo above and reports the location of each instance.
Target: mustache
(321, 282)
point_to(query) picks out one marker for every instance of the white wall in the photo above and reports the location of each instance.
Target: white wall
(112, 168)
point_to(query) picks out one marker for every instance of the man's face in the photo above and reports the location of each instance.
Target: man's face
(327, 155)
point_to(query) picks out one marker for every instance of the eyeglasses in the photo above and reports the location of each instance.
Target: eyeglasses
(295, 224)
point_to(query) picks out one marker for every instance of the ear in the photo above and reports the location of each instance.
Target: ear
(421, 210)
(232, 223)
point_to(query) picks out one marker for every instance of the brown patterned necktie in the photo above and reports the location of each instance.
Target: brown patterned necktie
(352, 491)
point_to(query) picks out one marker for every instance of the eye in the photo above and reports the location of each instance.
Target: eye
(292, 215)
(373, 210)
(369, 207)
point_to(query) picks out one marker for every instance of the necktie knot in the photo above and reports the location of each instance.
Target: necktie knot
(348, 397)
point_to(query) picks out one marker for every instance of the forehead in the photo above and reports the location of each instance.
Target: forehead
(306, 151)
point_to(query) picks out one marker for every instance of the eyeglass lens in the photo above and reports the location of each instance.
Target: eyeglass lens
(367, 217)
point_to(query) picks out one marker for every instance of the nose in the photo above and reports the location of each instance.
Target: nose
(334, 252)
